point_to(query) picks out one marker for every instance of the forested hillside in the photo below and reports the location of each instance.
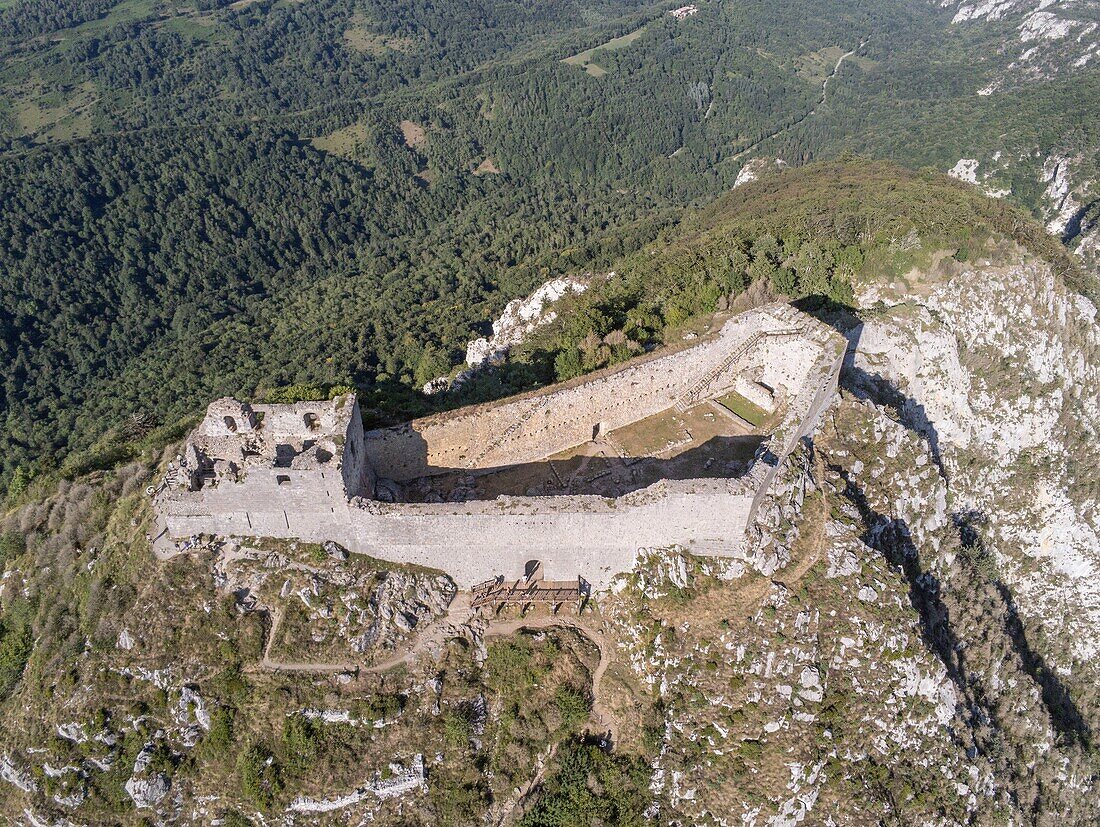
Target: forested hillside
(210, 198)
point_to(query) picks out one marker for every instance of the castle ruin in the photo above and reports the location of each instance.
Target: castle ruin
(675, 448)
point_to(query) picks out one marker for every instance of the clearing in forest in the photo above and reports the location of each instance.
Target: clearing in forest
(360, 37)
(817, 65)
(414, 134)
(586, 59)
(56, 116)
(487, 167)
(345, 142)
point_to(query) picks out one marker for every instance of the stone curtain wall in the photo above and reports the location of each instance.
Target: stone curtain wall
(535, 426)
(588, 536)
(473, 542)
(270, 502)
(814, 398)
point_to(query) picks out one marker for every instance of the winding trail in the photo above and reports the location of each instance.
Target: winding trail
(505, 813)
(813, 109)
(459, 614)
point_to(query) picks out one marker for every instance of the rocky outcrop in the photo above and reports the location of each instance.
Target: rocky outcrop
(1051, 36)
(146, 788)
(520, 318)
(996, 369)
(400, 781)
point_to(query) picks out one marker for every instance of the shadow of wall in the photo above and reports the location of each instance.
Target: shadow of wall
(606, 474)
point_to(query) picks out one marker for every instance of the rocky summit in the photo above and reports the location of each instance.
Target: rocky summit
(549, 414)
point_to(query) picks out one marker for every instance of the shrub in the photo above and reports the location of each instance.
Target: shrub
(300, 743)
(572, 705)
(219, 739)
(233, 818)
(457, 728)
(591, 787)
(750, 750)
(510, 667)
(259, 775)
(12, 545)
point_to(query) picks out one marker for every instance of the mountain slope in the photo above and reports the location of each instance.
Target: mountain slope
(924, 653)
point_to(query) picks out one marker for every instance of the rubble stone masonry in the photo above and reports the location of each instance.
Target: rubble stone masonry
(307, 471)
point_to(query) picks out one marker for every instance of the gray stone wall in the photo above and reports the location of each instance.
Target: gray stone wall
(534, 426)
(472, 542)
(586, 536)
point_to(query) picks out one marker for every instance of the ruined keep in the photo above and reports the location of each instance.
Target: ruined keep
(658, 451)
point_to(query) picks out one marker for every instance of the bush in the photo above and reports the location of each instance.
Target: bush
(590, 787)
(290, 394)
(750, 750)
(219, 739)
(457, 729)
(12, 545)
(379, 707)
(300, 743)
(572, 705)
(233, 818)
(510, 667)
(16, 645)
(259, 775)
(101, 457)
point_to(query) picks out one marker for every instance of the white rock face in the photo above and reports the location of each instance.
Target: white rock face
(1052, 36)
(15, 776)
(520, 317)
(753, 169)
(1061, 192)
(1044, 25)
(867, 594)
(984, 10)
(967, 170)
(1000, 368)
(402, 780)
(146, 791)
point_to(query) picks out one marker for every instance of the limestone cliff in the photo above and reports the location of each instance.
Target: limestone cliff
(927, 652)
(996, 367)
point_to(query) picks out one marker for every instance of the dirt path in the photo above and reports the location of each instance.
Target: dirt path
(451, 625)
(811, 112)
(604, 718)
(297, 666)
(458, 614)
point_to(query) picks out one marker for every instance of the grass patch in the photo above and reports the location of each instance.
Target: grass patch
(197, 27)
(414, 135)
(346, 142)
(359, 37)
(738, 405)
(587, 59)
(816, 66)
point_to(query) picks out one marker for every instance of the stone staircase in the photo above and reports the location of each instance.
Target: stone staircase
(695, 393)
(516, 425)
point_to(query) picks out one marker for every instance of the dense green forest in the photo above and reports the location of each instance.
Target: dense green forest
(211, 198)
